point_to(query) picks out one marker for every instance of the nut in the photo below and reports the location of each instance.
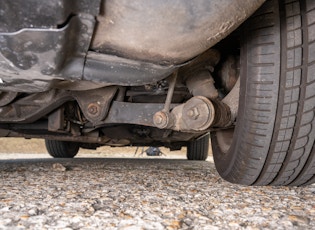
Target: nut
(93, 109)
(198, 114)
(161, 119)
(158, 119)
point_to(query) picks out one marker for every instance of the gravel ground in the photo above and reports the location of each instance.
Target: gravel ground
(109, 193)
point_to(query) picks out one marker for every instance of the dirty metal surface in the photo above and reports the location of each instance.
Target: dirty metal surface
(31, 58)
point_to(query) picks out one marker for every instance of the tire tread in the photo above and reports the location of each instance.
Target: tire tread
(61, 149)
(198, 149)
(275, 134)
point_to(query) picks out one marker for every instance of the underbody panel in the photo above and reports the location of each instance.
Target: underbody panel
(43, 44)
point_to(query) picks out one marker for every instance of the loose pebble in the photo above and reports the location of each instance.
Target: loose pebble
(59, 167)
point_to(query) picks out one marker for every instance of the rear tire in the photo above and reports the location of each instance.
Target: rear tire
(62, 149)
(273, 141)
(198, 149)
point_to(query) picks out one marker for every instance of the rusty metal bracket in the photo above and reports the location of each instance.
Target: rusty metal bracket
(95, 103)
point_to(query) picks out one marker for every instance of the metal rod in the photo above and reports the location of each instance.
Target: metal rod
(170, 92)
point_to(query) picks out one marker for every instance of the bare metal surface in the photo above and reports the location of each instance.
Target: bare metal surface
(104, 193)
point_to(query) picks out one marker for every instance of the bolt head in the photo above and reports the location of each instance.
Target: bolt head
(161, 120)
(193, 113)
(158, 119)
(93, 109)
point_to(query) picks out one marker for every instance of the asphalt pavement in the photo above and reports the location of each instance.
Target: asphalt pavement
(141, 193)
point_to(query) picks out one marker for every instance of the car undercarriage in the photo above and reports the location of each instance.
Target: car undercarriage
(83, 74)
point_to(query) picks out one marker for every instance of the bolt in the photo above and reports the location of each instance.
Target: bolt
(193, 113)
(158, 119)
(161, 119)
(190, 113)
(93, 109)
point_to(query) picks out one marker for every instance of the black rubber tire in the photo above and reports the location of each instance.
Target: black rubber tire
(273, 141)
(62, 149)
(197, 150)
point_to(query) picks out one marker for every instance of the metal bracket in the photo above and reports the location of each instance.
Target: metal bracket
(95, 103)
(197, 114)
(132, 113)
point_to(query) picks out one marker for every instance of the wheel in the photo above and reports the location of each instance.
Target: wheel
(198, 149)
(273, 140)
(62, 149)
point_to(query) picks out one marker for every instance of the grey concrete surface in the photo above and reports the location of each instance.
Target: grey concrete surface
(109, 193)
